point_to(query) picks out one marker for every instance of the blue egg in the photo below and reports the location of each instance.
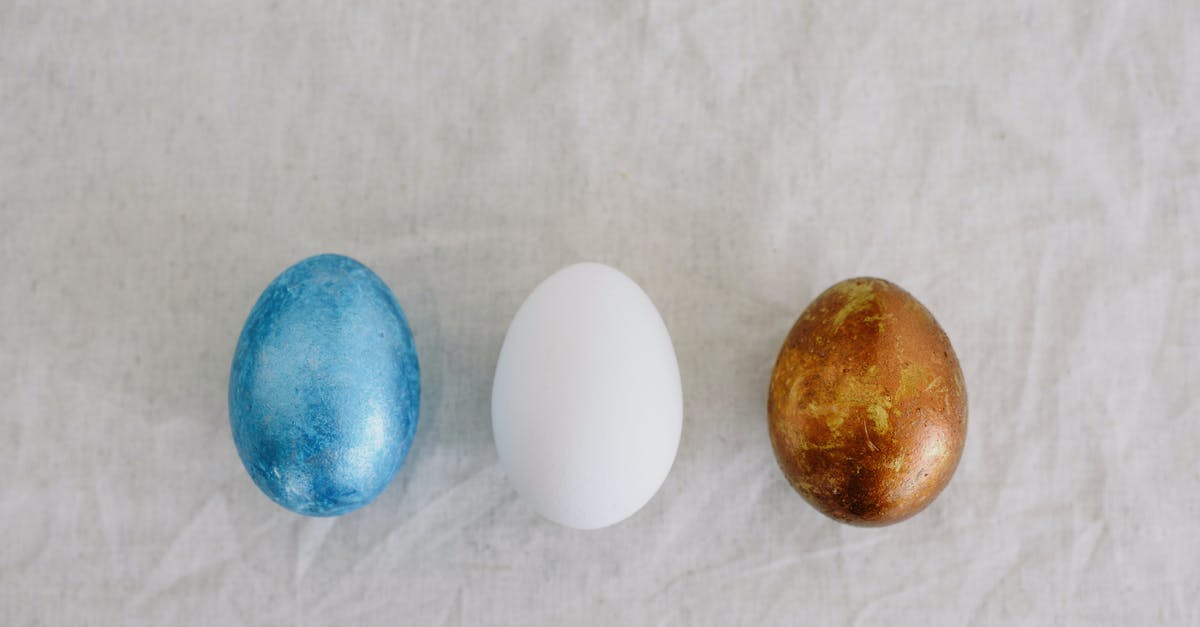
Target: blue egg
(325, 387)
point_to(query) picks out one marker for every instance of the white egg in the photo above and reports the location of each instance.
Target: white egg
(587, 404)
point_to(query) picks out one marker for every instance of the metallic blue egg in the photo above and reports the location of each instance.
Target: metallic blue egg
(325, 387)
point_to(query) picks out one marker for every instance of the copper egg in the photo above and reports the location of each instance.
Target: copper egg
(867, 406)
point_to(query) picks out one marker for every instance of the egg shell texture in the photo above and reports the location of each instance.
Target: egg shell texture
(324, 390)
(587, 404)
(867, 405)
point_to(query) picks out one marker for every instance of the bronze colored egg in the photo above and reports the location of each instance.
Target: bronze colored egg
(867, 408)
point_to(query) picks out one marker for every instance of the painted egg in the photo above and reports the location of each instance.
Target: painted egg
(867, 405)
(587, 405)
(325, 388)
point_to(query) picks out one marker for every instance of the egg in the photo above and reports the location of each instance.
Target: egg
(587, 404)
(867, 406)
(325, 387)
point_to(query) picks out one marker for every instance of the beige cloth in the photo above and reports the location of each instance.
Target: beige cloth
(1029, 172)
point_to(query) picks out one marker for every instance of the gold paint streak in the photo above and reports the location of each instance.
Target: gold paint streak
(794, 439)
(879, 416)
(879, 320)
(858, 296)
(912, 377)
(835, 416)
(853, 391)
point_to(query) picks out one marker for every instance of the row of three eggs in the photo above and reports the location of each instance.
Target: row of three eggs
(587, 403)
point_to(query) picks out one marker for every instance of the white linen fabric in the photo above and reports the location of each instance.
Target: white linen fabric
(1029, 170)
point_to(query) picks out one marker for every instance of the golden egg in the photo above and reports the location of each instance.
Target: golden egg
(867, 407)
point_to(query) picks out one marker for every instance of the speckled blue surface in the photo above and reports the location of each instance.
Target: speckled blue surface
(325, 388)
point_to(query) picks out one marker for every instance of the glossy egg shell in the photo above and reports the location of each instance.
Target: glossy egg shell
(867, 405)
(324, 390)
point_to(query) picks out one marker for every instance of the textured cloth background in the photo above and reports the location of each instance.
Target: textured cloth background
(1030, 172)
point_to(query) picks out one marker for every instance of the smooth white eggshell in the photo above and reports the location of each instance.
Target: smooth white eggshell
(587, 404)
